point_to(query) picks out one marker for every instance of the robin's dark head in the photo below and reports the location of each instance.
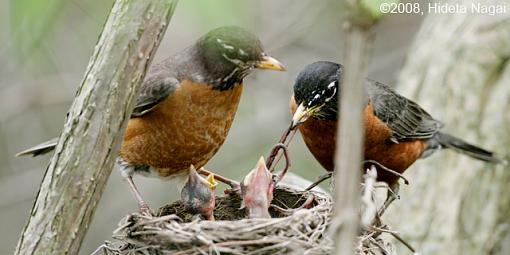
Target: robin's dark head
(229, 53)
(198, 195)
(257, 191)
(315, 92)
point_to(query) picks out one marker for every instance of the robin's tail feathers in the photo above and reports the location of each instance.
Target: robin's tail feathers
(40, 149)
(448, 141)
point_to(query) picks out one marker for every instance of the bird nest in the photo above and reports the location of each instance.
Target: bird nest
(291, 230)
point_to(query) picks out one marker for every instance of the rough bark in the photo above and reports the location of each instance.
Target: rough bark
(83, 159)
(458, 69)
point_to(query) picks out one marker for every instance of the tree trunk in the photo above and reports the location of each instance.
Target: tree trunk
(458, 70)
(83, 159)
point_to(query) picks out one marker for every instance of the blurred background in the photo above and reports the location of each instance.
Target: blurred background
(44, 50)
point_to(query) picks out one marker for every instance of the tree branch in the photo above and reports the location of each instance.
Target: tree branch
(349, 145)
(83, 159)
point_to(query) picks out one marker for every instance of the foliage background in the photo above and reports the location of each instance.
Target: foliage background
(44, 50)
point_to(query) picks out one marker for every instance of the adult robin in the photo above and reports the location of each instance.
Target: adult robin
(186, 106)
(397, 130)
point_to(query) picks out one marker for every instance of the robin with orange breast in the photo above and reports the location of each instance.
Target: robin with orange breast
(186, 106)
(397, 130)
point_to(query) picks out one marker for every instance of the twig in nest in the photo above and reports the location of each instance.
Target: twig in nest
(319, 181)
(100, 250)
(283, 147)
(306, 205)
(301, 232)
(382, 229)
(387, 170)
(383, 249)
(385, 229)
(232, 243)
(289, 133)
(274, 152)
(379, 165)
(404, 242)
(310, 198)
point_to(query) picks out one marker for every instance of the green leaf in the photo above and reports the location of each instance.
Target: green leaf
(374, 6)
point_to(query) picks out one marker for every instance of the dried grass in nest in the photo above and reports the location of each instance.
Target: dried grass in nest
(290, 231)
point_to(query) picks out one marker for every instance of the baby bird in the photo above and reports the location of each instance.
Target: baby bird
(257, 191)
(198, 195)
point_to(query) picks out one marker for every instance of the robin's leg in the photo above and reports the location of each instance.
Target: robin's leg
(390, 197)
(127, 172)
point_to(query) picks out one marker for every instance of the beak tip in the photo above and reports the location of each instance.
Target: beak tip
(300, 115)
(261, 161)
(271, 63)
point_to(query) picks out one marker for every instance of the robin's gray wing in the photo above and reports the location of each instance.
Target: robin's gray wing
(157, 87)
(405, 118)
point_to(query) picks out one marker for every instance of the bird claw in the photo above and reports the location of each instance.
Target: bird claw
(392, 195)
(144, 210)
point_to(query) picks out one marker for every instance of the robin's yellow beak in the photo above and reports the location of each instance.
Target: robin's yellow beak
(303, 113)
(270, 63)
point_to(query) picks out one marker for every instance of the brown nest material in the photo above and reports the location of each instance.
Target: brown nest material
(291, 230)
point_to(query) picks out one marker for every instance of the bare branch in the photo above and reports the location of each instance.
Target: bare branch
(83, 159)
(350, 133)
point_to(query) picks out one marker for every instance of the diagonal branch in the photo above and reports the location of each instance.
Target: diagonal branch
(83, 159)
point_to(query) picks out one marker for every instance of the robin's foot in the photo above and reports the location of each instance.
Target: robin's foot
(391, 196)
(144, 210)
(127, 172)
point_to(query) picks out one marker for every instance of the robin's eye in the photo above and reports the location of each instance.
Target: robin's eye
(330, 91)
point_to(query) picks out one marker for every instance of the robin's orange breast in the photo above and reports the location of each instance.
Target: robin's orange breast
(320, 138)
(187, 128)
